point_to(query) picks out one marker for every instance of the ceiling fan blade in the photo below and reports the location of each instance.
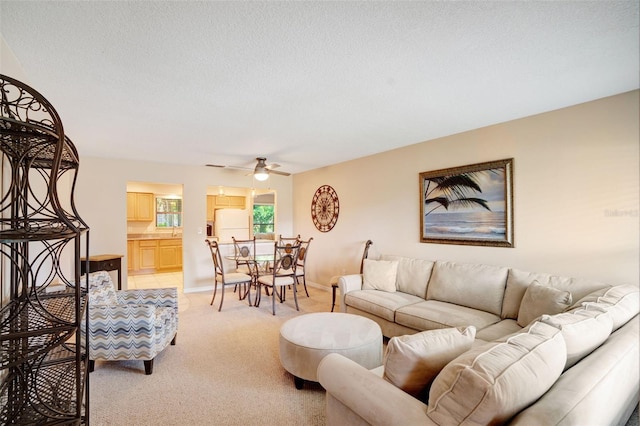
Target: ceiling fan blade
(261, 162)
(222, 166)
(276, 172)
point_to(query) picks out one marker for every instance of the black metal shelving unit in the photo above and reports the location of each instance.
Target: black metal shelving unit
(43, 352)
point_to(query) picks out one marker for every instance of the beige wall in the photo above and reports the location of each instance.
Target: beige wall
(9, 64)
(101, 201)
(575, 195)
(575, 187)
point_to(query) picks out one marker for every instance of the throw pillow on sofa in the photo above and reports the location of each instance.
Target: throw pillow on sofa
(493, 382)
(411, 362)
(379, 275)
(538, 300)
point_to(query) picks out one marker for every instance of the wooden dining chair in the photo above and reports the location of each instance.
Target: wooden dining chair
(232, 278)
(302, 260)
(334, 279)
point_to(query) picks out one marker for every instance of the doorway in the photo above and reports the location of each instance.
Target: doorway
(154, 235)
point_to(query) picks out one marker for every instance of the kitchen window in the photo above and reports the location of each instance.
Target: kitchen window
(263, 218)
(168, 212)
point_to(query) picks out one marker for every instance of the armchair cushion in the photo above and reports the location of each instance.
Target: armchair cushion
(102, 291)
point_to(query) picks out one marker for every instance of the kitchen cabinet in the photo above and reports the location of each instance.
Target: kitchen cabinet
(147, 253)
(140, 206)
(150, 255)
(169, 254)
(130, 255)
(215, 202)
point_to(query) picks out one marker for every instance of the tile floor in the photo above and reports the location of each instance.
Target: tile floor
(166, 279)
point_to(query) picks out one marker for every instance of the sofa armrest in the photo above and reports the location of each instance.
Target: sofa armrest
(367, 395)
(348, 283)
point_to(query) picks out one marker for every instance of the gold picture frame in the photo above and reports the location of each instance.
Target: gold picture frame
(468, 205)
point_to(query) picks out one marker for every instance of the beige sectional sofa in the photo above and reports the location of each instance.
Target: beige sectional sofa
(547, 349)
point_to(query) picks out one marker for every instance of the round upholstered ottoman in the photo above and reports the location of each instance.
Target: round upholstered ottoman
(306, 339)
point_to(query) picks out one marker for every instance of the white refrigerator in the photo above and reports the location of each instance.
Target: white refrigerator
(231, 223)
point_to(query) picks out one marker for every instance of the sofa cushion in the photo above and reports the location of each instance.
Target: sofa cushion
(413, 274)
(622, 302)
(432, 314)
(498, 330)
(412, 361)
(583, 331)
(540, 299)
(493, 382)
(518, 281)
(379, 275)
(380, 303)
(472, 285)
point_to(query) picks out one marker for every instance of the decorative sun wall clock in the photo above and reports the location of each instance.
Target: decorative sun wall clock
(325, 208)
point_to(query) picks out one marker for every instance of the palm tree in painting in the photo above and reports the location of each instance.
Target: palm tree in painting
(452, 191)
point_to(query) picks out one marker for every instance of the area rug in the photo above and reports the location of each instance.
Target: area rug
(224, 370)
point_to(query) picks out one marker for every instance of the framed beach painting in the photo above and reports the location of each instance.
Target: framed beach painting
(470, 205)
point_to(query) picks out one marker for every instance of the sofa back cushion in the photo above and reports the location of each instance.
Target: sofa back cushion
(413, 274)
(622, 302)
(583, 331)
(412, 361)
(472, 285)
(518, 281)
(491, 383)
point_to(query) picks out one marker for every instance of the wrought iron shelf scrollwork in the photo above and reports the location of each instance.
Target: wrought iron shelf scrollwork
(43, 348)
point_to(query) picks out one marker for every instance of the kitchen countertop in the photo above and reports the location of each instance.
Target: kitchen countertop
(154, 236)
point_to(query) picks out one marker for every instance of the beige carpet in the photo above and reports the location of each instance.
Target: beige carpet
(224, 370)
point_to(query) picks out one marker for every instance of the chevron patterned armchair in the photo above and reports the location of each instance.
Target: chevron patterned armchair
(129, 324)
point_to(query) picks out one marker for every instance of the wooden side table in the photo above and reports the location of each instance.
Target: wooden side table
(103, 262)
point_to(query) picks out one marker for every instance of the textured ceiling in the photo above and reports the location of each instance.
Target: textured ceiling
(308, 84)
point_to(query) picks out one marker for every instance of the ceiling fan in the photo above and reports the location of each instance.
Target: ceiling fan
(260, 172)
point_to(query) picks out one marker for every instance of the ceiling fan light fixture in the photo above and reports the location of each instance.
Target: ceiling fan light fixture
(261, 172)
(261, 175)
